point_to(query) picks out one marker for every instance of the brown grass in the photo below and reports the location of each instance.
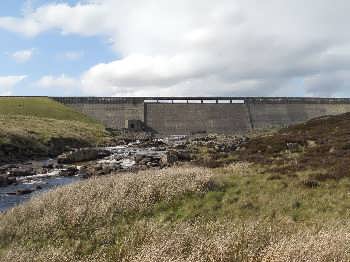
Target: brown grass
(121, 218)
(84, 210)
(212, 241)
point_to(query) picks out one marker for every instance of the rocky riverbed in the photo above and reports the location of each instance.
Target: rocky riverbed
(19, 182)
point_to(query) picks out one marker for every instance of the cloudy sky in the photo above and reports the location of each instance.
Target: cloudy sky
(177, 48)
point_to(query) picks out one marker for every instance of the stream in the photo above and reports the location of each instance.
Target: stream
(25, 187)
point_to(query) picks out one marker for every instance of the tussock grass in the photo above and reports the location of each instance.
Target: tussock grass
(236, 213)
(93, 211)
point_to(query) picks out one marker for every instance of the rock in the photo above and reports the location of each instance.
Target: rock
(81, 155)
(184, 155)
(3, 180)
(138, 158)
(24, 191)
(169, 158)
(70, 171)
(148, 160)
(20, 192)
(49, 166)
(180, 146)
(84, 172)
(311, 143)
(173, 156)
(21, 172)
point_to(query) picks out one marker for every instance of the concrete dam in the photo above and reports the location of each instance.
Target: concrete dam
(191, 115)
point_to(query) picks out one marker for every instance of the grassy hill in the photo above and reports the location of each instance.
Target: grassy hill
(320, 146)
(34, 127)
(254, 209)
(40, 107)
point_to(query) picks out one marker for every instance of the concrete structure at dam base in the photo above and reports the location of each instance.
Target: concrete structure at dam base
(191, 115)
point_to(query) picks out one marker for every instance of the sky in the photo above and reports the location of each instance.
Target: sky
(175, 48)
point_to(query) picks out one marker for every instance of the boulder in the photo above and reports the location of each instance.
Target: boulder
(70, 171)
(21, 172)
(173, 156)
(20, 192)
(184, 155)
(139, 157)
(25, 191)
(82, 155)
(84, 172)
(4, 181)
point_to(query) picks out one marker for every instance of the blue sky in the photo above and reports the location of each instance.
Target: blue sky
(48, 49)
(175, 48)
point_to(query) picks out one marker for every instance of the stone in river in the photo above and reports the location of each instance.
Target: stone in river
(81, 155)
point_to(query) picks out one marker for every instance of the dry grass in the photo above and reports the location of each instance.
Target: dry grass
(120, 218)
(225, 241)
(86, 210)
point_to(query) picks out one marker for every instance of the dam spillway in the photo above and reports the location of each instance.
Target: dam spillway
(190, 115)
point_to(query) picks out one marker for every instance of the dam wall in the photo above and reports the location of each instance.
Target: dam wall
(112, 112)
(281, 112)
(189, 115)
(197, 118)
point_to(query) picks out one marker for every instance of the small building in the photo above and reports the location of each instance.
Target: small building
(134, 125)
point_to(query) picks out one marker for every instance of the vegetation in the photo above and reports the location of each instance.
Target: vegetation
(321, 145)
(276, 201)
(40, 107)
(236, 213)
(35, 127)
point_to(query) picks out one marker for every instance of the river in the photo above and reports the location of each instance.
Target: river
(121, 156)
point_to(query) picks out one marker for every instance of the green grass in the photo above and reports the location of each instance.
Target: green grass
(255, 195)
(40, 107)
(39, 127)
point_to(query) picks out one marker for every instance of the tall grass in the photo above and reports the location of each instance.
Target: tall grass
(124, 218)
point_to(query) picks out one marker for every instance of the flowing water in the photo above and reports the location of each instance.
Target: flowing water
(39, 183)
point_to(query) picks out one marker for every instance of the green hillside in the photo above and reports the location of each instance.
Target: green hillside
(39, 107)
(40, 127)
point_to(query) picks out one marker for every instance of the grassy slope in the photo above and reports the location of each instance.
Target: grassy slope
(40, 107)
(31, 127)
(242, 212)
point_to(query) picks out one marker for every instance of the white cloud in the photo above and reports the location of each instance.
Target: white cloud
(8, 82)
(61, 82)
(202, 47)
(22, 56)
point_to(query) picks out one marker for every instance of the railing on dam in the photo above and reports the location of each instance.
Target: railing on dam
(239, 100)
